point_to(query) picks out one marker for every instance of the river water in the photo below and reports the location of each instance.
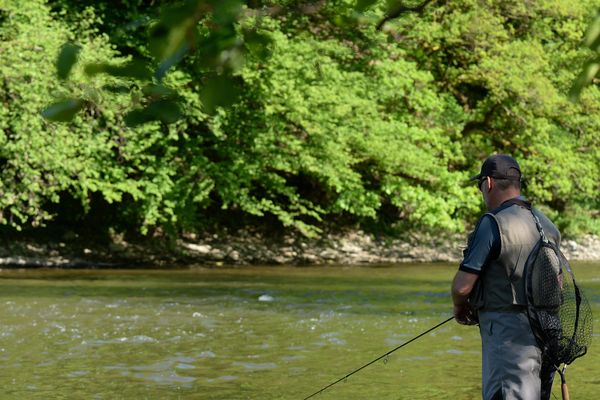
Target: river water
(246, 333)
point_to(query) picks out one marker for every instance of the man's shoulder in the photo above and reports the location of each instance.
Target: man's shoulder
(544, 219)
(486, 226)
(549, 227)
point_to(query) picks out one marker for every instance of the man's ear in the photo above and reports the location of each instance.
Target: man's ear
(490, 183)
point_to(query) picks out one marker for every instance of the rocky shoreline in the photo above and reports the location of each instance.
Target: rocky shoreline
(249, 248)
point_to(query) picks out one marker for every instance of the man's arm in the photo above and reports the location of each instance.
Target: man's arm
(462, 285)
(484, 245)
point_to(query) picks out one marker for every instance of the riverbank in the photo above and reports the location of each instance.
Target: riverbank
(70, 250)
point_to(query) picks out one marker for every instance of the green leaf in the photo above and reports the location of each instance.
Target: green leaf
(226, 12)
(219, 91)
(222, 49)
(166, 111)
(66, 59)
(174, 30)
(63, 111)
(258, 43)
(589, 72)
(117, 88)
(172, 60)
(136, 68)
(592, 36)
(159, 91)
(362, 5)
(137, 117)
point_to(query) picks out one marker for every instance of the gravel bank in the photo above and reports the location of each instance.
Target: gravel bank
(246, 248)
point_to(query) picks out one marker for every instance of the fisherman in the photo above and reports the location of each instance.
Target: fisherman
(489, 287)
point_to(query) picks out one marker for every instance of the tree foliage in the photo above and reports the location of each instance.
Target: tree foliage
(371, 113)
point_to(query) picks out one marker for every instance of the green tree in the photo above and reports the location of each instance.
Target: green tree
(302, 114)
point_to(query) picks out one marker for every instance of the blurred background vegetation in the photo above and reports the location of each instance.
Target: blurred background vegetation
(162, 116)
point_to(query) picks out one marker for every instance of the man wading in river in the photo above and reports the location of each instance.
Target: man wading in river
(489, 287)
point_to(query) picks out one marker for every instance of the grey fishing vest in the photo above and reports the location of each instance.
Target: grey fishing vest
(501, 286)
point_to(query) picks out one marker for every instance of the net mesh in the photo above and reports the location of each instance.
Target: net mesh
(560, 314)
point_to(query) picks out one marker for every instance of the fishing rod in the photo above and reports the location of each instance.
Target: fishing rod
(379, 358)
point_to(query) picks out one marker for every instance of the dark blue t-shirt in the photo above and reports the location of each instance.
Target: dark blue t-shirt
(483, 246)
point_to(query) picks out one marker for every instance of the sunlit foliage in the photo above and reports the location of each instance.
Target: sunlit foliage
(303, 115)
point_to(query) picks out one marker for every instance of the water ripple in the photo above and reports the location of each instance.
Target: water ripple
(255, 366)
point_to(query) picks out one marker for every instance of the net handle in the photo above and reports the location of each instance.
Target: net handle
(563, 384)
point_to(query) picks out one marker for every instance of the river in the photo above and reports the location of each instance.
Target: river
(246, 333)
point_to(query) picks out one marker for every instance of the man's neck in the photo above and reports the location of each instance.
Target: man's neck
(504, 197)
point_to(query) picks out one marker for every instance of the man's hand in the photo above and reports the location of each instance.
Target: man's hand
(462, 285)
(464, 315)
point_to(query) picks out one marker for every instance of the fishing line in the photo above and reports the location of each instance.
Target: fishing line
(386, 356)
